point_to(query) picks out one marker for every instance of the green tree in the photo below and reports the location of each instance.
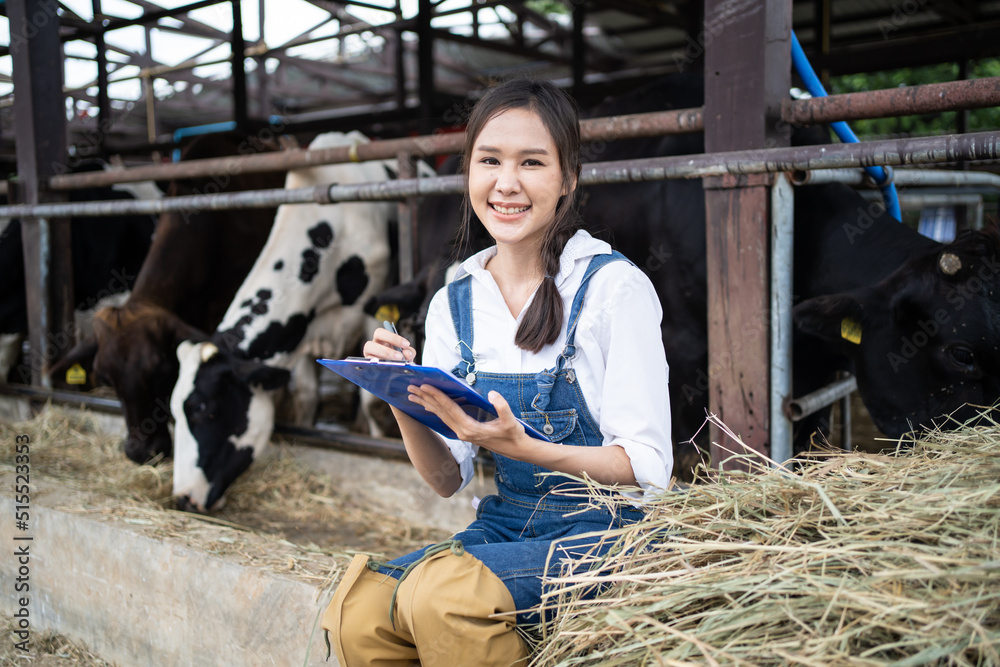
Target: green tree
(923, 124)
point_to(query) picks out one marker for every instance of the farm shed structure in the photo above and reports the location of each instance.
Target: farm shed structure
(409, 75)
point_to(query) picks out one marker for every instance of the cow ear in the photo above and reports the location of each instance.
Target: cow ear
(835, 318)
(83, 353)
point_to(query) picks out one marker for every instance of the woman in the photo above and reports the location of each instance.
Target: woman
(554, 328)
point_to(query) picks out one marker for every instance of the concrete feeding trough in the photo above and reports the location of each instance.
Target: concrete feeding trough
(140, 583)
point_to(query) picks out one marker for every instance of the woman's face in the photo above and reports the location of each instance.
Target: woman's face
(515, 179)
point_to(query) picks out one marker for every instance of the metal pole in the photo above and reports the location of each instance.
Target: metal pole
(263, 104)
(802, 407)
(40, 125)
(103, 104)
(782, 246)
(902, 177)
(946, 148)
(239, 68)
(928, 98)
(846, 437)
(425, 62)
(603, 129)
(920, 200)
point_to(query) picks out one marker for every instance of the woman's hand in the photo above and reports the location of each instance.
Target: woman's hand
(381, 346)
(503, 435)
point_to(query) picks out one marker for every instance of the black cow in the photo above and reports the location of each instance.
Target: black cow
(929, 331)
(106, 255)
(197, 261)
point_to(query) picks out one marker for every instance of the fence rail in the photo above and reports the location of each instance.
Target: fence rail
(947, 148)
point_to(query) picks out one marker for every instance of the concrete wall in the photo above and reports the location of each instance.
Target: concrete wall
(135, 600)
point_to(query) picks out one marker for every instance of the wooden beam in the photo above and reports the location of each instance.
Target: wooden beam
(747, 74)
(915, 49)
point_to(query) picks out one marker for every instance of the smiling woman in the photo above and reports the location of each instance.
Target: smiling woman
(558, 345)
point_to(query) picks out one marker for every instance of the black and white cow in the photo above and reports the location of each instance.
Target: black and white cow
(301, 301)
(106, 252)
(197, 261)
(929, 330)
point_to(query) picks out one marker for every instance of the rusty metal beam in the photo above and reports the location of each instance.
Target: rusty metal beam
(928, 98)
(40, 122)
(924, 150)
(601, 129)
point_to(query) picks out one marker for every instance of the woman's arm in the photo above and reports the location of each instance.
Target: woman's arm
(429, 454)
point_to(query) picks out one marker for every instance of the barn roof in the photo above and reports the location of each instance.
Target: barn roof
(357, 64)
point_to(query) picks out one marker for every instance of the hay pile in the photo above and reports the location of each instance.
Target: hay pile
(280, 514)
(858, 559)
(46, 650)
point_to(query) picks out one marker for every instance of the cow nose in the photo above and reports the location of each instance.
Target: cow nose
(185, 504)
(141, 451)
(137, 450)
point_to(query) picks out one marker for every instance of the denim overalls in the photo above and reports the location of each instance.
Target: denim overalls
(514, 528)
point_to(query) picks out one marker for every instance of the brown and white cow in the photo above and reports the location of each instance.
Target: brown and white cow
(302, 300)
(197, 261)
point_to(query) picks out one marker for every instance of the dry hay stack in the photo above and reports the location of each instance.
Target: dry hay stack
(859, 559)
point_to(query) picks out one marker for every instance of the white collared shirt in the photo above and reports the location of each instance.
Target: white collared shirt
(619, 363)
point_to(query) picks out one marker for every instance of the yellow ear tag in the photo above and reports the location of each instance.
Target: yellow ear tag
(388, 311)
(76, 375)
(850, 330)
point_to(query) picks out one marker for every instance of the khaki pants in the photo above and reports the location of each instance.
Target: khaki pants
(450, 611)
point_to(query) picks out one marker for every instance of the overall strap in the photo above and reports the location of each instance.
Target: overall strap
(460, 303)
(596, 263)
(545, 380)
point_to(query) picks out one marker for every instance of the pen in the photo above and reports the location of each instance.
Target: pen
(391, 327)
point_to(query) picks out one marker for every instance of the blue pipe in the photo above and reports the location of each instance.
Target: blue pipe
(194, 130)
(843, 130)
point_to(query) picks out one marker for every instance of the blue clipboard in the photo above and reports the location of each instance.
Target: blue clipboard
(389, 379)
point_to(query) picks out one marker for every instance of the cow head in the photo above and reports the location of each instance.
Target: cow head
(128, 354)
(224, 413)
(924, 341)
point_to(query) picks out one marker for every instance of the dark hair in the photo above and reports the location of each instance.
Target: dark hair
(542, 323)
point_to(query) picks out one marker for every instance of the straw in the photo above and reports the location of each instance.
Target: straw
(853, 559)
(280, 515)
